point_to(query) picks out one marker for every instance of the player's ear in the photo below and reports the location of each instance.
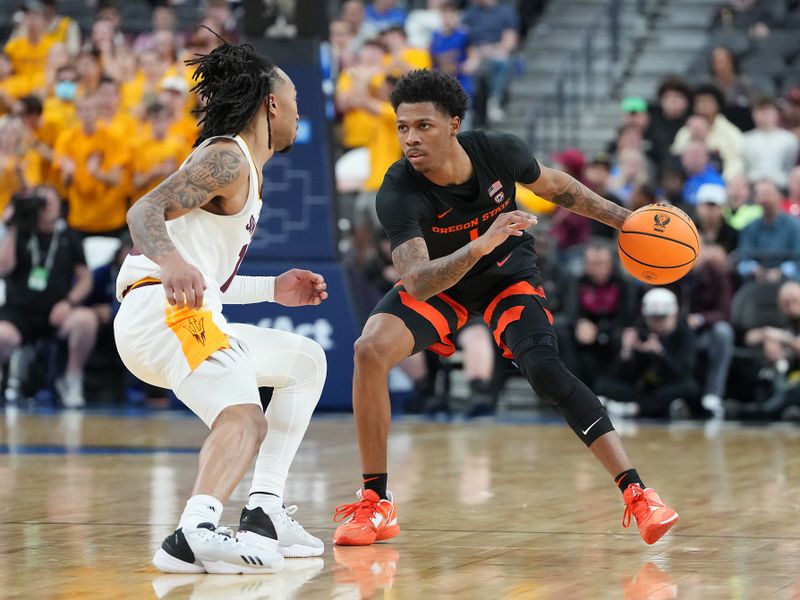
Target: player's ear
(455, 125)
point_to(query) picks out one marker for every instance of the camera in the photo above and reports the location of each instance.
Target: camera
(27, 207)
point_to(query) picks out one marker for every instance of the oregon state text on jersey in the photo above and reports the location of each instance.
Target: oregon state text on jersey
(448, 217)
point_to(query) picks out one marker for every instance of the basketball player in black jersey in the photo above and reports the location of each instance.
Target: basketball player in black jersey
(461, 248)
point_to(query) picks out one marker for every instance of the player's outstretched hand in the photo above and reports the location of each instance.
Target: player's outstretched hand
(183, 283)
(298, 287)
(512, 223)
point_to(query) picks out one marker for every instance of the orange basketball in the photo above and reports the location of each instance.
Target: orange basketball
(658, 244)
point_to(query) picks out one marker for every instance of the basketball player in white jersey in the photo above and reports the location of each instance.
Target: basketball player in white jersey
(191, 234)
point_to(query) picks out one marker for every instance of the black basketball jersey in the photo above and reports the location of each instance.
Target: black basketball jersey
(448, 217)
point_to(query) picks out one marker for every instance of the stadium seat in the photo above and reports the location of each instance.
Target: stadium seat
(779, 42)
(735, 41)
(763, 64)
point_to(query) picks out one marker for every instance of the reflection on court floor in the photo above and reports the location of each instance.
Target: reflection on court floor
(487, 510)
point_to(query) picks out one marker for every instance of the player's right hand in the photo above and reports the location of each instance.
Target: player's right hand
(508, 224)
(183, 283)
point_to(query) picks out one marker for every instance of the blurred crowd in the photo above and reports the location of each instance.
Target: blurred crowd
(92, 118)
(724, 147)
(89, 122)
(716, 142)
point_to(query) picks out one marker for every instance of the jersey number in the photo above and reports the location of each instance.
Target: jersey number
(473, 233)
(227, 284)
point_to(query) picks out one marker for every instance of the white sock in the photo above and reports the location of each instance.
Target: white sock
(269, 503)
(201, 509)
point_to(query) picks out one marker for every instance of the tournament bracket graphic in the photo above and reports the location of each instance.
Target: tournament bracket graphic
(297, 227)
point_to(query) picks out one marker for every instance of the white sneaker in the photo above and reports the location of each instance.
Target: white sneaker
(213, 551)
(70, 389)
(278, 530)
(713, 404)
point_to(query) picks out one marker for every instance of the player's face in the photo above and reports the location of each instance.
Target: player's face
(425, 134)
(283, 115)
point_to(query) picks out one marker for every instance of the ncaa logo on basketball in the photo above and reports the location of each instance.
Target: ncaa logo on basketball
(660, 222)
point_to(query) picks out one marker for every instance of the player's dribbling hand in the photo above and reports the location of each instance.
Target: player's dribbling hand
(183, 283)
(508, 224)
(298, 287)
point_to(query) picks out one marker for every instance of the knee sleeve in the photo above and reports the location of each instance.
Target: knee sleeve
(539, 362)
(310, 366)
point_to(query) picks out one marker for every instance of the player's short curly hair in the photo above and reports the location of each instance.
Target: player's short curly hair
(422, 85)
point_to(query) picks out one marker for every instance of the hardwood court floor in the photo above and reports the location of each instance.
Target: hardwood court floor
(488, 511)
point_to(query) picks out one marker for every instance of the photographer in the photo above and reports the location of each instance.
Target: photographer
(654, 375)
(46, 278)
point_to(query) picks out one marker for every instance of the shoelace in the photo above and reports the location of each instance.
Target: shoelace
(221, 535)
(286, 515)
(638, 496)
(360, 509)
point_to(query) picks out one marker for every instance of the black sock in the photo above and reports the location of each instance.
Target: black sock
(624, 479)
(376, 482)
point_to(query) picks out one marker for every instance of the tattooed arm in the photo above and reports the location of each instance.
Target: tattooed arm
(218, 171)
(564, 190)
(424, 278)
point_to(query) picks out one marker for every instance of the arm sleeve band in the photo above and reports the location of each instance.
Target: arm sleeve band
(249, 290)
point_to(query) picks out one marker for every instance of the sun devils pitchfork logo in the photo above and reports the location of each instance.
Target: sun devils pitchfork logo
(660, 222)
(196, 328)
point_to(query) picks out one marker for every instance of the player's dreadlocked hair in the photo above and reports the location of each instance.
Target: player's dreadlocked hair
(232, 80)
(422, 85)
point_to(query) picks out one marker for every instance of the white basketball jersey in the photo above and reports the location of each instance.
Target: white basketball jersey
(215, 244)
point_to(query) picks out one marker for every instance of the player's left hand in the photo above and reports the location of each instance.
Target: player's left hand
(298, 287)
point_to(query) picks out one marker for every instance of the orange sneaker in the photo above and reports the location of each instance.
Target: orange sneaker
(653, 517)
(371, 520)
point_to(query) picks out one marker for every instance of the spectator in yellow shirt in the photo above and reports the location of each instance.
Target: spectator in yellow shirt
(60, 107)
(20, 167)
(121, 124)
(62, 30)
(357, 123)
(158, 154)
(384, 150)
(39, 135)
(402, 58)
(143, 89)
(28, 53)
(173, 95)
(92, 165)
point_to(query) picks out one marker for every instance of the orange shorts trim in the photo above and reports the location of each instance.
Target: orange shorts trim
(445, 346)
(512, 314)
(520, 288)
(141, 283)
(461, 312)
